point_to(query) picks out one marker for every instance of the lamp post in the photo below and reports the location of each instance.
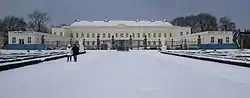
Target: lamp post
(145, 42)
(98, 42)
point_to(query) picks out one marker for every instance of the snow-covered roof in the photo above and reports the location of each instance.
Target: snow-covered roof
(118, 22)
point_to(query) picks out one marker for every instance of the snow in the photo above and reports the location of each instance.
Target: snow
(135, 74)
(232, 55)
(120, 22)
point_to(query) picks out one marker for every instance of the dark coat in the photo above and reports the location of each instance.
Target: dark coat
(75, 50)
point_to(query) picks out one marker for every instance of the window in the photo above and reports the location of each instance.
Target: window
(170, 34)
(103, 35)
(77, 35)
(149, 35)
(116, 34)
(29, 39)
(87, 42)
(220, 41)
(159, 35)
(21, 41)
(82, 35)
(154, 42)
(121, 34)
(227, 39)
(187, 33)
(87, 35)
(55, 33)
(154, 35)
(212, 39)
(149, 42)
(143, 34)
(138, 34)
(181, 33)
(109, 35)
(93, 42)
(133, 35)
(98, 34)
(93, 35)
(165, 34)
(61, 34)
(71, 35)
(126, 34)
(13, 40)
(77, 42)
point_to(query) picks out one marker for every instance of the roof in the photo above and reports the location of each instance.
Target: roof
(118, 22)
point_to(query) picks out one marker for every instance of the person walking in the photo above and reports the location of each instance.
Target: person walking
(69, 53)
(75, 50)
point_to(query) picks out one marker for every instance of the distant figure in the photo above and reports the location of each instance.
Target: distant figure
(69, 53)
(75, 50)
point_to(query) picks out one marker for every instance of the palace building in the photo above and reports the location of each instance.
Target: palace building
(110, 34)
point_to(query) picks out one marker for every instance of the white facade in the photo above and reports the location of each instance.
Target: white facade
(157, 32)
(31, 37)
(208, 37)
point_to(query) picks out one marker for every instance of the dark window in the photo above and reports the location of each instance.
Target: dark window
(61, 34)
(21, 41)
(93, 42)
(212, 39)
(109, 35)
(187, 33)
(154, 42)
(165, 34)
(87, 35)
(29, 39)
(87, 42)
(116, 34)
(71, 35)
(154, 35)
(103, 35)
(170, 34)
(77, 35)
(149, 35)
(220, 41)
(126, 34)
(13, 40)
(159, 35)
(121, 35)
(138, 34)
(133, 35)
(93, 35)
(181, 33)
(227, 39)
(149, 42)
(82, 35)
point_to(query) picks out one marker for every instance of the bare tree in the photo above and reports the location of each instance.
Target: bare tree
(226, 24)
(38, 21)
(12, 23)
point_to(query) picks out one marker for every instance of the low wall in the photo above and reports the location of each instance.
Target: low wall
(25, 47)
(218, 46)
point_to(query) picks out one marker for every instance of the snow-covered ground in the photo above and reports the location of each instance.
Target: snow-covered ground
(135, 74)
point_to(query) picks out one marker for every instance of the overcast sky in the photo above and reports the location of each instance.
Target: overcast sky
(65, 11)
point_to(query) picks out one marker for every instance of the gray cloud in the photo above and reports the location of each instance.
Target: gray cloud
(65, 11)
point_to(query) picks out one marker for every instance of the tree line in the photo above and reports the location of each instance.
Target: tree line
(205, 22)
(199, 23)
(37, 22)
